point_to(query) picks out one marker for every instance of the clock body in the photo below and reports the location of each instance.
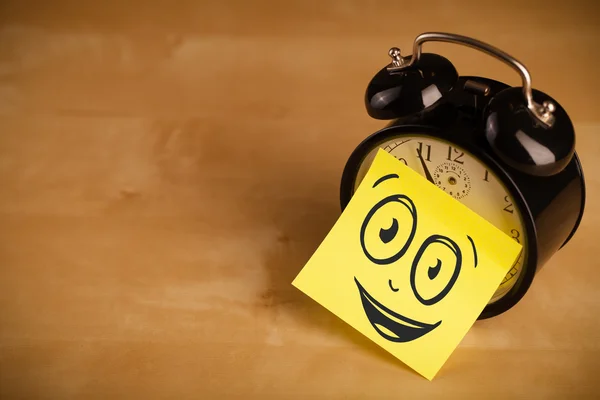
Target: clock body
(541, 213)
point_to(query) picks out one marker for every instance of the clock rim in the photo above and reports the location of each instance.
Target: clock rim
(525, 279)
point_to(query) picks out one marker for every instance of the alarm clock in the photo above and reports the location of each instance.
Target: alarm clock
(507, 153)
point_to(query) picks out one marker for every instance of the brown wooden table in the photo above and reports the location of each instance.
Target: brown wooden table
(166, 169)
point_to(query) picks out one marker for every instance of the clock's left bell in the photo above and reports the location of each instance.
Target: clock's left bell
(392, 95)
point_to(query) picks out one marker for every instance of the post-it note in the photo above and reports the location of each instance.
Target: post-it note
(408, 266)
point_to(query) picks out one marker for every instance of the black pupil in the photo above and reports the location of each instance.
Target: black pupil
(387, 235)
(432, 272)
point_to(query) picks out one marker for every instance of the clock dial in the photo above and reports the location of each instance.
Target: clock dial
(464, 177)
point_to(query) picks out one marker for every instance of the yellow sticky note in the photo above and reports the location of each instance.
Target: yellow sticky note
(408, 266)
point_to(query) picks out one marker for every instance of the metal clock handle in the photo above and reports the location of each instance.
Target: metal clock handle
(542, 112)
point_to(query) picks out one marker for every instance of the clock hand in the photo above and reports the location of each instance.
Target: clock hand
(427, 174)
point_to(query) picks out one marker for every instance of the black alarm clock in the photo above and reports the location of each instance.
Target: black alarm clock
(508, 153)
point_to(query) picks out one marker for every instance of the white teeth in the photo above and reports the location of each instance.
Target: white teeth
(387, 331)
(394, 318)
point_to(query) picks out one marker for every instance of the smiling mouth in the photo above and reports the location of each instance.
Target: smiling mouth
(389, 324)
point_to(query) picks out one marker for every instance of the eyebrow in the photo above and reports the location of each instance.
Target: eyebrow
(384, 178)
(474, 249)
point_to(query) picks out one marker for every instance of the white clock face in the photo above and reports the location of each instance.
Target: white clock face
(467, 179)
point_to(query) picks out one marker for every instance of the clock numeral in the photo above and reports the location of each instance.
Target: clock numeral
(457, 158)
(420, 151)
(509, 208)
(516, 235)
(402, 159)
(485, 178)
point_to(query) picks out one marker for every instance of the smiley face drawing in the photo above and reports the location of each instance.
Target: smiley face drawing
(390, 324)
(408, 265)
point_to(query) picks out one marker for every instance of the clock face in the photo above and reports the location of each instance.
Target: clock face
(466, 178)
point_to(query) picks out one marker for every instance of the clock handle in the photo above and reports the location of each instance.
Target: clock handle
(543, 112)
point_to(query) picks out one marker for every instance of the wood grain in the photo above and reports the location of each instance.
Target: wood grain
(167, 168)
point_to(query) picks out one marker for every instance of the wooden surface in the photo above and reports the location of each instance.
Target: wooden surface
(166, 169)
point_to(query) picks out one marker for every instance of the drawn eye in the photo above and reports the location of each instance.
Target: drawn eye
(435, 269)
(388, 229)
